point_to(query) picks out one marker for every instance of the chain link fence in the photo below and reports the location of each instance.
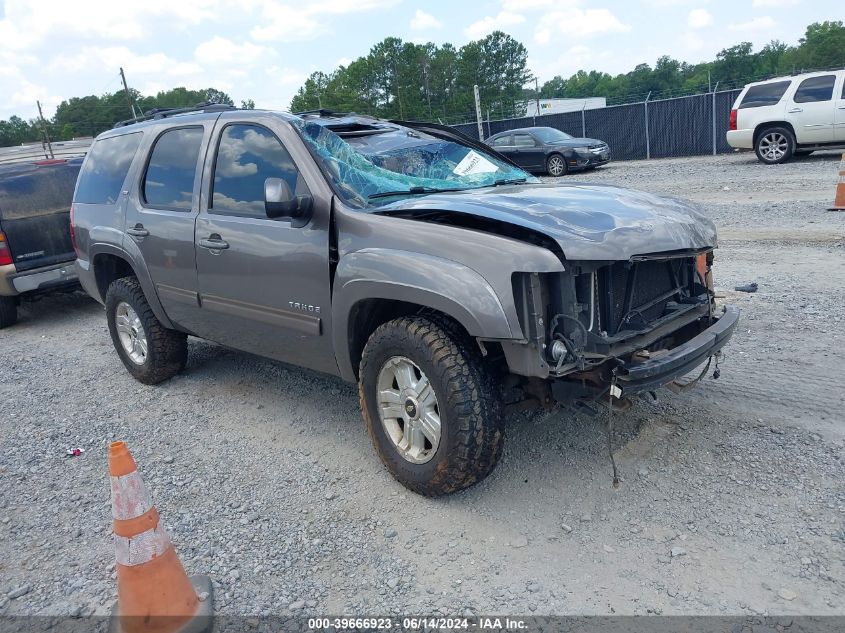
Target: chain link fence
(660, 128)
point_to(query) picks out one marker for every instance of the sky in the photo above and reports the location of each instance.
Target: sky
(265, 49)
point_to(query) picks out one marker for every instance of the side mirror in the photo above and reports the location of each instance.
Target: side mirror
(281, 203)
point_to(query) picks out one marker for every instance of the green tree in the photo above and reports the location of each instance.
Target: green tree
(823, 46)
(399, 79)
(16, 131)
(734, 65)
(309, 95)
(92, 114)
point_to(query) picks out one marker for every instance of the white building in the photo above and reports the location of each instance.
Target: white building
(556, 106)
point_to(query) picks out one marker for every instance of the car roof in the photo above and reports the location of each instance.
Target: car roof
(337, 121)
(31, 166)
(800, 76)
(524, 130)
(36, 152)
(172, 117)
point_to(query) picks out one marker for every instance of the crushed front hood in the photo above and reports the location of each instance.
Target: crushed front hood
(588, 221)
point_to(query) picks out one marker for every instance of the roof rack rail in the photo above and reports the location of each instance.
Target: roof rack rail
(161, 113)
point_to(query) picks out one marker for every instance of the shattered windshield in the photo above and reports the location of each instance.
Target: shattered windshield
(382, 163)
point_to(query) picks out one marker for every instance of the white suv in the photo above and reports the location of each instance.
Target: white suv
(787, 116)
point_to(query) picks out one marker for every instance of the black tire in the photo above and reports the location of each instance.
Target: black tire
(8, 311)
(551, 163)
(167, 350)
(774, 137)
(468, 400)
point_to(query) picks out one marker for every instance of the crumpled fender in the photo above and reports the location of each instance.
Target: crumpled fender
(435, 282)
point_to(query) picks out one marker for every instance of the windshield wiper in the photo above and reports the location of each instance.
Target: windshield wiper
(413, 191)
(509, 181)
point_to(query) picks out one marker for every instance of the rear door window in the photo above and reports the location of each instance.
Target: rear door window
(815, 89)
(524, 140)
(764, 94)
(169, 180)
(105, 169)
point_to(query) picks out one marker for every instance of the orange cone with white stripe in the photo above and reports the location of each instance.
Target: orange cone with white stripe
(839, 201)
(154, 594)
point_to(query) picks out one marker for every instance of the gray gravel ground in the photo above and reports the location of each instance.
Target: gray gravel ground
(732, 499)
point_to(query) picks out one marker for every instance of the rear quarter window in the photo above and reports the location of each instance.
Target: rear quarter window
(34, 190)
(764, 94)
(105, 169)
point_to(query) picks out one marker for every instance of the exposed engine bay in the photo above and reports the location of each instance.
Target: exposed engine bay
(636, 323)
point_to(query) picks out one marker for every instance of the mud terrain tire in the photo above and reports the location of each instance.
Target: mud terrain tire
(166, 350)
(468, 400)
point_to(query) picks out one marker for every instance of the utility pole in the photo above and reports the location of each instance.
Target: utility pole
(427, 93)
(478, 113)
(647, 140)
(583, 120)
(714, 117)
(44, 130)
(128, 96)
(537, 94)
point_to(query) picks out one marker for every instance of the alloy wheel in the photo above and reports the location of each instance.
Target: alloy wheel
(556, 166)
(773, 146)
(131, 333)
(408, 409)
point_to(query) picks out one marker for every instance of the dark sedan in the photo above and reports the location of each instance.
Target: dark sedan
(550, 150)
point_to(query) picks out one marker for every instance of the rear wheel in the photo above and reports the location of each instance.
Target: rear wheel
(150, 352)
(775, 145)
(8, 311)
(556, 165)
(431, 408)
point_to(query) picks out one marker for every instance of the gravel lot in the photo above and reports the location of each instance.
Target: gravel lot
(732, 499)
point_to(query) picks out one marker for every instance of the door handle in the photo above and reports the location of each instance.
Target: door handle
(138, 231)
(842, 107)
(214, 242)
(795, 110)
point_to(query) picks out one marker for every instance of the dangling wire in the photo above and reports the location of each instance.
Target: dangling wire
(612, 389)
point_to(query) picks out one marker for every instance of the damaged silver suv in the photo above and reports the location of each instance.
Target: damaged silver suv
(405, 257)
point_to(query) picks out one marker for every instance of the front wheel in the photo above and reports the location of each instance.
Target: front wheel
(149, 351)
(774, 146)
(556, 165)
(431, 408)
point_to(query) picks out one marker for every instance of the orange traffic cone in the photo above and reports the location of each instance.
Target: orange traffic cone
(839, 202)
(154, 594)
